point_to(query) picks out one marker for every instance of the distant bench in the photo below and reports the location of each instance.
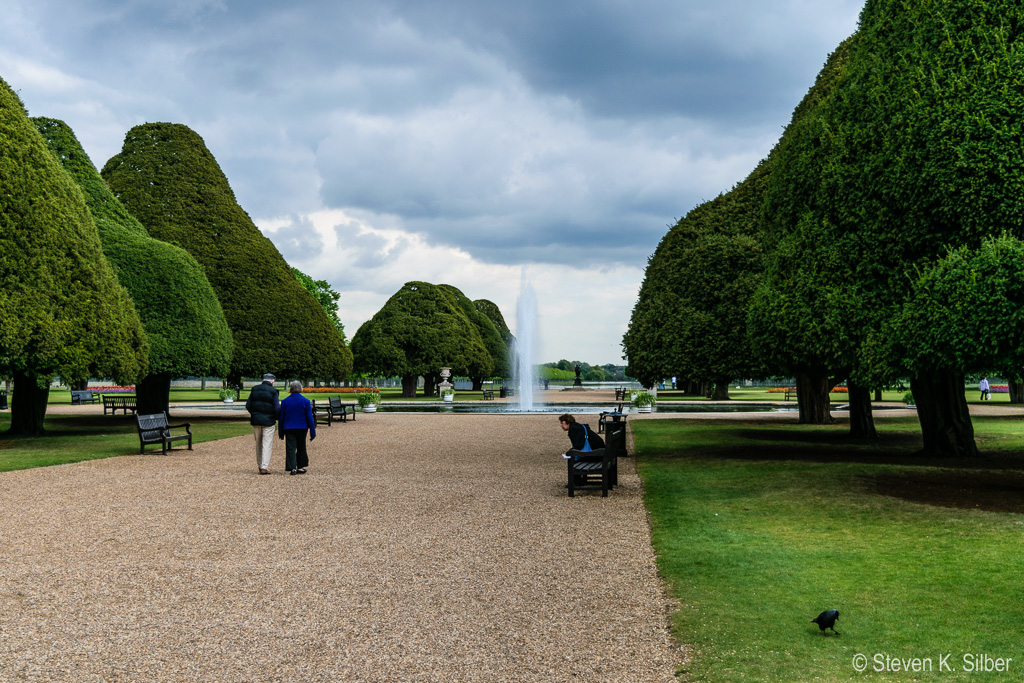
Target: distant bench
(154, 429)
(78, 397)
(488, 394)
(790, 392)
(334, 410)
(620, 394)
(122, 403)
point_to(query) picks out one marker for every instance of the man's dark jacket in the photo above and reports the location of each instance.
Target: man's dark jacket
(577, 435)
(263, 405)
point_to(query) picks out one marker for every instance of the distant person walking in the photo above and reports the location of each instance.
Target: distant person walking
(983, 385)
(263, 407)
(296, 419)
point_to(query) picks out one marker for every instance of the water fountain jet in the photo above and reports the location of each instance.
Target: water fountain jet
(526, 338)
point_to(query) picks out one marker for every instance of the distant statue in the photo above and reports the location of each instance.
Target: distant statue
(578, 382)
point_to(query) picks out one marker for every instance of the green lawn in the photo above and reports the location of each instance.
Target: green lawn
(758, 528)
(760, 394)
(74, 438)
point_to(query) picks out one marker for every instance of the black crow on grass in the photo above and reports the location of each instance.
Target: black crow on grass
(827, 619)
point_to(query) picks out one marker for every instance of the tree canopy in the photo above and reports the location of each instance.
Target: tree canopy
(167, 178)
(420, 329)
(921, 152)
(184, 323)
(62, 310)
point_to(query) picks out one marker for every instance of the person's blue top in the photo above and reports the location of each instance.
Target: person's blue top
(297, 413)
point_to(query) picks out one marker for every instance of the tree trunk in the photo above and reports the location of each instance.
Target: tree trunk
(812, 397)
(79, 384)
(430, 381)
(153, 394)
(28, 405)
(862, 423)
(478, 383)
(721, 392)
(945, 420)
(409, 385)
(1016, 391)
(878, 393)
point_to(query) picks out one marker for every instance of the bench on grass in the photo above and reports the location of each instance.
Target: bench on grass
(79, 397)
(122, 403)
(488, 394)
(790, 392)
(608, 417)
(620, 394)
(592, 470)
(154, 429)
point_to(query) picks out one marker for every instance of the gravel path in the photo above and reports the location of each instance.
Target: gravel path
(404, 555)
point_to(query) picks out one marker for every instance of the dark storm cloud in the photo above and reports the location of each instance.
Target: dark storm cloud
(527, 131)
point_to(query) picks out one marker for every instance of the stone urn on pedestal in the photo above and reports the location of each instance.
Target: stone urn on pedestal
(446, 388)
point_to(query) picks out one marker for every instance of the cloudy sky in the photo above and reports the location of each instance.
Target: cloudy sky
(456, 141)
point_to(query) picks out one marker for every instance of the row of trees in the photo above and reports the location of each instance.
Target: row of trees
(566, 369)
(143, 273)
(879, 239)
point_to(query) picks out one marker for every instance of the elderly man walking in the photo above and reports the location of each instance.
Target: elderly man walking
(263, 407)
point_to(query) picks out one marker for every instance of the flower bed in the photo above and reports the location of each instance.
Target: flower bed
(779, 390)
(113, 390)
(337, 390)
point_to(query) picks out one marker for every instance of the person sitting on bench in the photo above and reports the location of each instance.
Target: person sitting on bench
(583, 438)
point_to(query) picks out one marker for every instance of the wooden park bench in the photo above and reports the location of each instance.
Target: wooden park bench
(154, 429)
(608, 417)
(334, 410)
(122, 403)
(341, 411)
(620, 394)
(321, 413)
(790, 392)
(488, 394)
(507, 392)
(592, 470)
(79, 397)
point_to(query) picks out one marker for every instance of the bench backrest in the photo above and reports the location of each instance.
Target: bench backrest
(615, 438)
(335, 402)
(152, 426)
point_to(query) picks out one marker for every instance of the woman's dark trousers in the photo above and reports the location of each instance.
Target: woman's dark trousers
(295, 449)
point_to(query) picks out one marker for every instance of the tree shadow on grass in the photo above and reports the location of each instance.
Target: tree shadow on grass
(993, 482)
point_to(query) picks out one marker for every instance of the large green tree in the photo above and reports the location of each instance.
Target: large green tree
(62, 310)
(184, 323)
(964, 312)
(420, 329)
(920, 149)
(497, 364)
(800, 320)
(167, 178)
(691, 314)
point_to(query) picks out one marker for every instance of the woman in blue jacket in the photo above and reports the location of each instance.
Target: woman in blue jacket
(295, 420)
